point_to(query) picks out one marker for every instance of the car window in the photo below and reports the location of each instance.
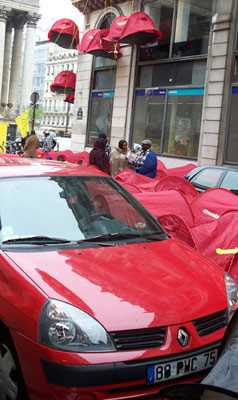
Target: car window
(69, 207)
(208, 177)
(230, 181)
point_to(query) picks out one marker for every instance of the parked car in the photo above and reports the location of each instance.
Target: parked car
(203, 178)
(96, 302)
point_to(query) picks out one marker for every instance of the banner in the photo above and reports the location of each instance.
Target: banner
(3, 136)
(22, 122)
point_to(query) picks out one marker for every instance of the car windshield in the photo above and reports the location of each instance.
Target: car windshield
(70, 208)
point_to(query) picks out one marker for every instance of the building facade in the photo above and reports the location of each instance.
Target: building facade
(18, 22)
(182, 92)
(39, 70)
(57, 114)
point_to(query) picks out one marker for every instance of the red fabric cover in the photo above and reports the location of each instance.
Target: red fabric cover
(221, 233)
(181, 171)
(64, 83)
(139, 29)
(93, 43)
(179, 184)
(211, 204)
(176, 228)
(130, 177)
(66, 155)
(39, 153)
(70, 98)
(167, 202)
(65, 33)
(82, 158)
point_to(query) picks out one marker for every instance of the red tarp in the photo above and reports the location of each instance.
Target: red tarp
(211, 204)
(179, 184)
(167, 202)
(93, 43)
(116, 29)
(65, 33)
(64, 83)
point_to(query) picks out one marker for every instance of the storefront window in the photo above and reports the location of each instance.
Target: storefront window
(232, 142)
(149, 116)
(183, 122)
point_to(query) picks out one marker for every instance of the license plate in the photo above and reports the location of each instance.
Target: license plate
(181, 367)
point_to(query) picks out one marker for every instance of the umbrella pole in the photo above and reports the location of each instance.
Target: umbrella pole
(67, 120)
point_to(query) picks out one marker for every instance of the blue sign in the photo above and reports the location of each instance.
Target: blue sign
(103, 94)
(235, 90)
(186, 92)
(150, 92)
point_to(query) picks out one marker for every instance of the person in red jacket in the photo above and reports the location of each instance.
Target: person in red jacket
(99, 157)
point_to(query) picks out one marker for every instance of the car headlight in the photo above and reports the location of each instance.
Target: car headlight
(232, 294)
(67, 328)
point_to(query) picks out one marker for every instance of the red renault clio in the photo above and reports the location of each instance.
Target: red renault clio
(96, 301)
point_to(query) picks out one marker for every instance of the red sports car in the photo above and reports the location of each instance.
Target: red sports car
(96, 302)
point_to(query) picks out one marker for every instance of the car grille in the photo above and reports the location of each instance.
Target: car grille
(211, 323)
(139, 338)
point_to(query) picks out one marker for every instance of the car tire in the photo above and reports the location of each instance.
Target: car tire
(12, 385)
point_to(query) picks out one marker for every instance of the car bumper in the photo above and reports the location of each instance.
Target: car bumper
(55, 375)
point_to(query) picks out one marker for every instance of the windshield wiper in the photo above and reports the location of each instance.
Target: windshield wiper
(123, 236)
(39, 240)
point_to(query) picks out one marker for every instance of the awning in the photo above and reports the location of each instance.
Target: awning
(65, 33)
(64, 83)
(93, 43)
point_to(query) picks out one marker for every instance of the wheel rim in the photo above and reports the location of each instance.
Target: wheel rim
(8, 369)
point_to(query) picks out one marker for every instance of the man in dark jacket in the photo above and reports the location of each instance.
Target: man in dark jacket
(146, 161)
(99, 157)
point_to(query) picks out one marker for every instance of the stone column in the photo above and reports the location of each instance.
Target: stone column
(217, 87)
(16, 64)
(28, 65)
(3, 21)
(6, 65)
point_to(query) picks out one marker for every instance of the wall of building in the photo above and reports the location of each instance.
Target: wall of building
(217, 88)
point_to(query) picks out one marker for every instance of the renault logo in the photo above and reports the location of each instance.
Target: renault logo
(183, 337)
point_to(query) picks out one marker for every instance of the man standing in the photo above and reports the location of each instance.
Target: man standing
(146, 161)
(32, 143)
(48, 143)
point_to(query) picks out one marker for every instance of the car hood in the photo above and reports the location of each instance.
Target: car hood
(129, 286)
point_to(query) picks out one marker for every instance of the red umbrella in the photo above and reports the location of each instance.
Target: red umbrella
(93, 43)
(64, 83)
(69, 98)
(116, 29)
(65, 33)
(140, 30)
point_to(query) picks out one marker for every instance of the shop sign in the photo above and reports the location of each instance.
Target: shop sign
(150, 92)
(103, 94)
(186, 92)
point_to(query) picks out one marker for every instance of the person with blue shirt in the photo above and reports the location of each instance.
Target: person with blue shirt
(146, 161)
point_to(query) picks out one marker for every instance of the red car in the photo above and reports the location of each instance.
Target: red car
(96, 302)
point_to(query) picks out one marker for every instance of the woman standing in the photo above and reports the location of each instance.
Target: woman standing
(119, 159)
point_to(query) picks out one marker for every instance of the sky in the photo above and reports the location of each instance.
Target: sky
(51, 10)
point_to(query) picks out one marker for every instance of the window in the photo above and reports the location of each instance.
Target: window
(185, 25)
(183, 120)
(168, 106)
(172, 74)
(102, 92)
(192, 27)
(208, 177)
(230, 181)
(232, 140)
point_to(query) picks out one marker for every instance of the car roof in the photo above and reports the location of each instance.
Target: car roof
(15, 166)
(223, 167)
